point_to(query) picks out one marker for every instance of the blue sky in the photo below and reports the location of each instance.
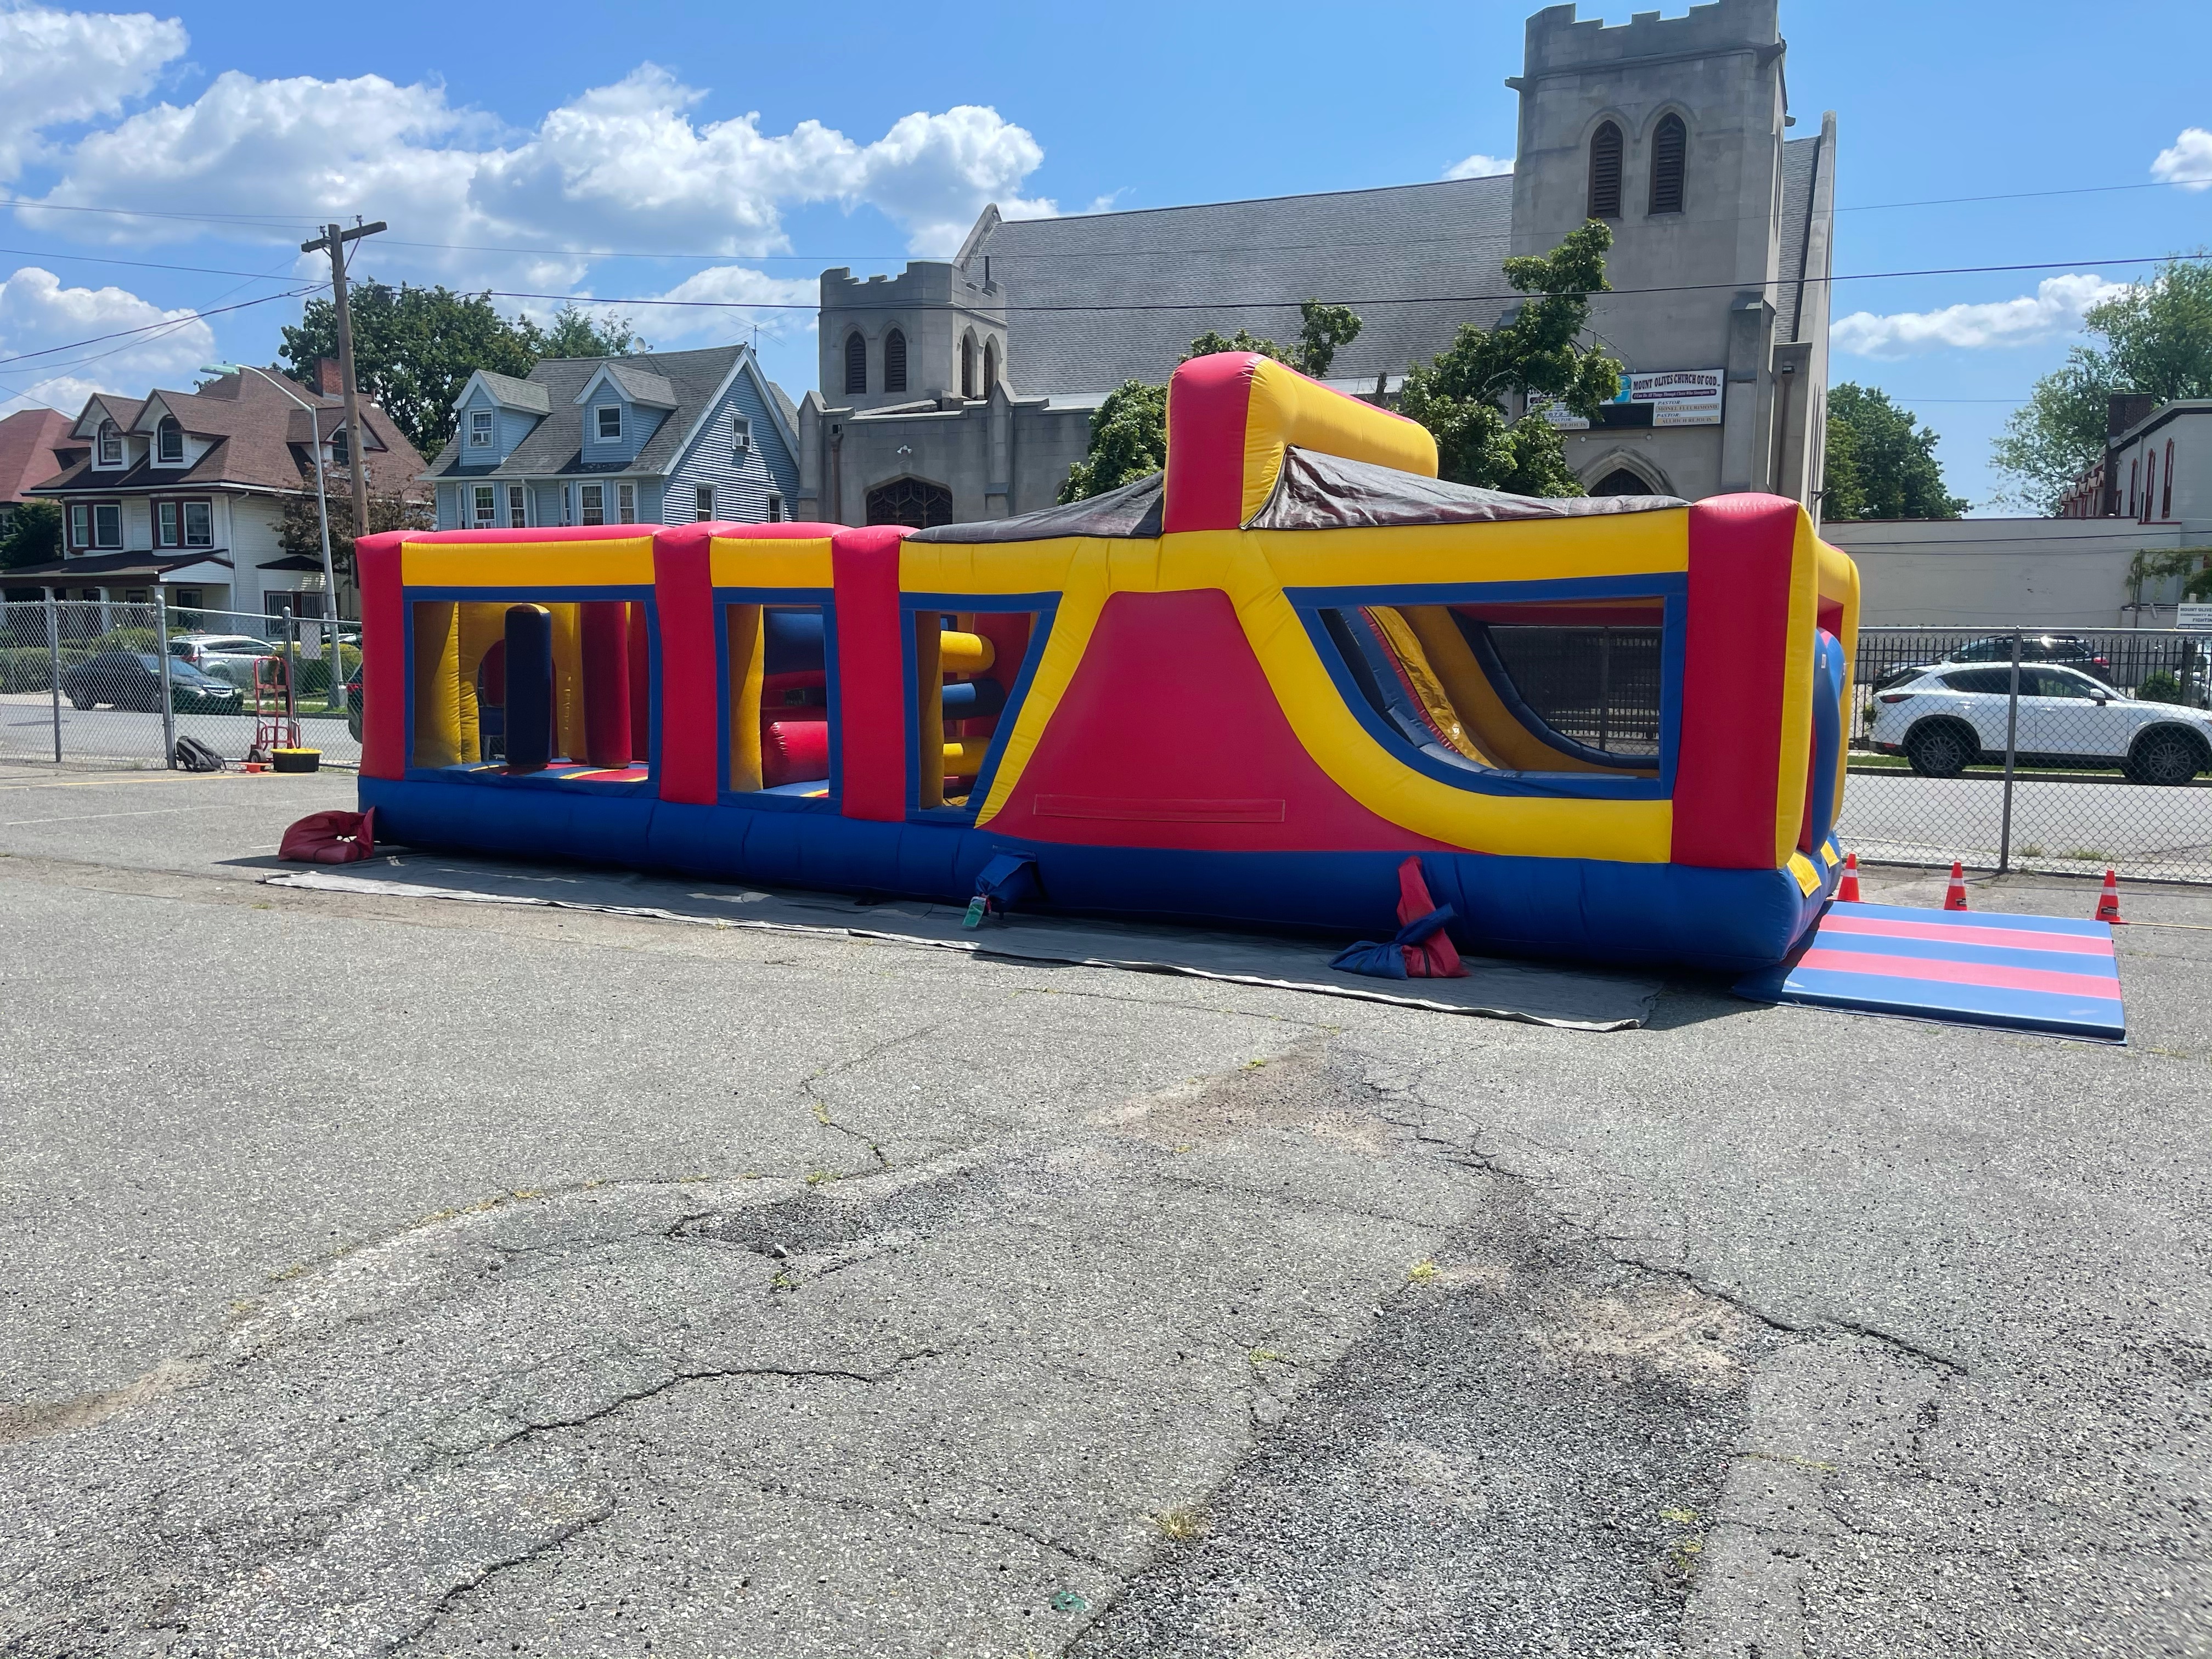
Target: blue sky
(767, 144)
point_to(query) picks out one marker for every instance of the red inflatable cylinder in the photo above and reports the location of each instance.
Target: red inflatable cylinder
(606, 683)
(640, 684)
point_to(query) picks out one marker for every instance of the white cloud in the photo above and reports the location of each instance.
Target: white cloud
(625, 164)
(37, 311)
(2055, 307)
(60, 67)
(2188, 162)
(1479, 167)
(734, 290)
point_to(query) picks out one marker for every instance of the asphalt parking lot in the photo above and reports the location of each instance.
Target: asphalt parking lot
(394, 1276)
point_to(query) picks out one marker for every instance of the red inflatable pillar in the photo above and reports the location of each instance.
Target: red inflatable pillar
(871, 684)
(606, 683)
(640, 685)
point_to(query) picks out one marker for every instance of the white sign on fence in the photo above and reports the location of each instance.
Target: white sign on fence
(2193, 618)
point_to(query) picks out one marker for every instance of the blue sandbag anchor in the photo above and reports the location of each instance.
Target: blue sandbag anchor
(1387, 960)
(1003, 883)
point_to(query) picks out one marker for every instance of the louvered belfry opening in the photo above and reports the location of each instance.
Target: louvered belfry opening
(856, 364)
(894, 361)
(1605, 173)
(1670, 147)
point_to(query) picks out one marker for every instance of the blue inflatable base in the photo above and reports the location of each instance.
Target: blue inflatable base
(1623, 914)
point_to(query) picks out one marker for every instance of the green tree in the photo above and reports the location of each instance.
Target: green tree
(1128, 441)
(1880, 464)
(415, 348)
(299, 531)
(2158, 340)
(1538, 347)
(32, 535)
(1130, 433)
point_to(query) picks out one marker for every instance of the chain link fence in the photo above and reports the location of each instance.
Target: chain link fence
(2070, 750)
(120, 684)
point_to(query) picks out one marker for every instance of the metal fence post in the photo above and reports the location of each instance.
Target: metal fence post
(54, 673)
(168, 696)
(2012, 755)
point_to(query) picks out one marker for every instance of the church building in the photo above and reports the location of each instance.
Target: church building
(964, 390)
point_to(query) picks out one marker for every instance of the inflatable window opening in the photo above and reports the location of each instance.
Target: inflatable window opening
(1240, 692)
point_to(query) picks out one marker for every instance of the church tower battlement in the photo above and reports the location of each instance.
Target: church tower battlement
(929, 332)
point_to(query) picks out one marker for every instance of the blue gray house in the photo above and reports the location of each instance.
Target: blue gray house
(666, 437)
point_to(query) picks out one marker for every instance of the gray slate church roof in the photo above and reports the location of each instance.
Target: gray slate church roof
(1362, 247)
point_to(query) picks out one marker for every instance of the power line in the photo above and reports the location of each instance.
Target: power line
(140, 265)
(271, 219)
(1388, 300)
(166, 323)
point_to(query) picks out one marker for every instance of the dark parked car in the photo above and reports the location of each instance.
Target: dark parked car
(132, 679)
(2068, 649)
(353, 705)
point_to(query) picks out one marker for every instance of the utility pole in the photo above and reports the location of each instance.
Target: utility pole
(333, 240)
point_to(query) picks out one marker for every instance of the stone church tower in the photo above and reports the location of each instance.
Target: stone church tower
(1672, 131)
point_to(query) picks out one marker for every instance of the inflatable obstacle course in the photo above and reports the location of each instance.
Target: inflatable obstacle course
(1243, 692)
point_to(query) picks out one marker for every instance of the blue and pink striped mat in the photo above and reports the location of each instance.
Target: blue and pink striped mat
(2031, 973)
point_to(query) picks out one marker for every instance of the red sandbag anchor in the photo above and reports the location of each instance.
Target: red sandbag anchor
(332, 837)
(1434, 957)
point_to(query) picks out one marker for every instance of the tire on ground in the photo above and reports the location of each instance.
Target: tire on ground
(2165, 754)
(1940, 748)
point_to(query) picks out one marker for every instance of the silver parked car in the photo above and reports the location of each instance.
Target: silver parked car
(1954, 715)
(226, 657)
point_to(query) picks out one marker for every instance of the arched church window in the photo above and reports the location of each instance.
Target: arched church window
(894, 361)
(1670, 149)
(2165, 497)
(1605, 173)
(914, 503)
(967, 365)
(856, 364)
(990, 367)
(1621, 482)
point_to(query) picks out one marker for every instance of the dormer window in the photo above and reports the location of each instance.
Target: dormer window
(480, 427)
(610, 423)
(111, 444)
(741, 433)
(169, 442)
(340, 451)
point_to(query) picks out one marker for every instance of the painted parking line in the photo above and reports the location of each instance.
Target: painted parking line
(86, 817)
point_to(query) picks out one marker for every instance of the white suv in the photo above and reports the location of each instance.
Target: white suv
(1952, 716)
(226, 657)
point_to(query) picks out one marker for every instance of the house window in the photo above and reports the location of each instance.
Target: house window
(967, 365)
(107, 523)
(894, 361)
(774, 507)
(480, 425)
(188, 598)
(2166, 496)
(1670, 147)
(856, 364)
(169, 523)
(517, 511)
(2135, 472)
(169, 442)
(594, 499)
(610, 423)
(80, 525)
(626, 502)
(2150, 484)
(199, 524)
(340, 451)
(702, 503)
(990, 365)
(111, 445)
(1604, 172)
(486, 504)
(741, 433)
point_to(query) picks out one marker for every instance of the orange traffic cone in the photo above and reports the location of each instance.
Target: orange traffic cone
(1847, 890)
(2108, 901)
(1954, 897)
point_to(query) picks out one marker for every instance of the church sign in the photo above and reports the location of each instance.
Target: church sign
(1664, 397)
